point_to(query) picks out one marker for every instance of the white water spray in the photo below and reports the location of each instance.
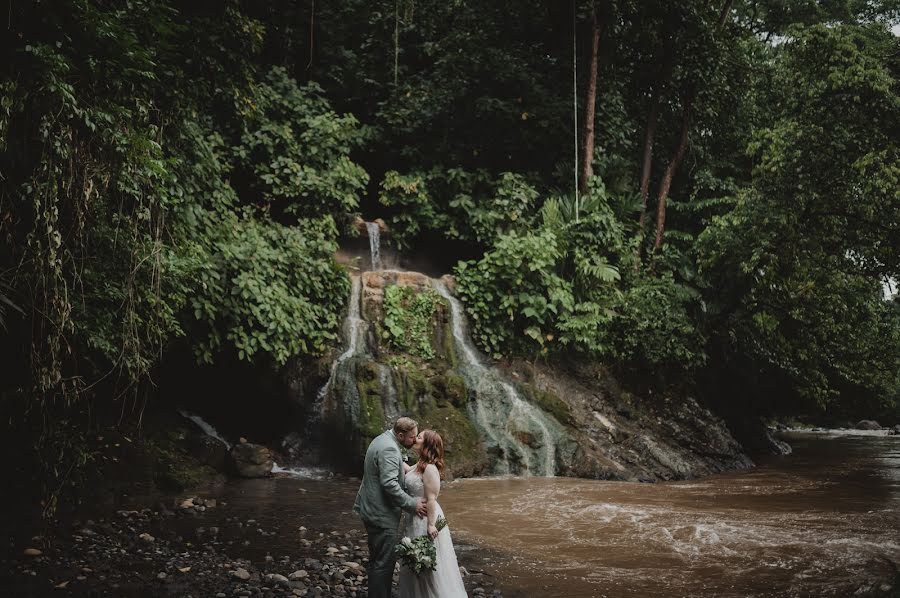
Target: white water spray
(374, 244)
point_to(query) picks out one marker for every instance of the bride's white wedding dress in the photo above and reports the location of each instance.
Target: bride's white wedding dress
(445, 581)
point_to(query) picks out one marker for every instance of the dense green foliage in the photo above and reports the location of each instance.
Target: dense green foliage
(408, 319)
(151, 193)
(180, 175)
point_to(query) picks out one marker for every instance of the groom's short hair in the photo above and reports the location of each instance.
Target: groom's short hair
(404, 425)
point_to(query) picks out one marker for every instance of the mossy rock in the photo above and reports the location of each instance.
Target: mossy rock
(551, 404)
(451, 388)
(413, 387)
(464, 451)
(372, 421)
(174, 469)
(442, 336)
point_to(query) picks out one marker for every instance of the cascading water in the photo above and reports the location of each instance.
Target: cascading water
(523, 437)
(339, 397)
(355, 331)
(206, 427)
(374, 244)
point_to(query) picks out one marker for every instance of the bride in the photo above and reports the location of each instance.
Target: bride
(424, 480)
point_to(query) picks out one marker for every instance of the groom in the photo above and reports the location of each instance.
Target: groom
(381, 496)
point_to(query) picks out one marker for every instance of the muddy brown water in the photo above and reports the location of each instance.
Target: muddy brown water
(824, 521)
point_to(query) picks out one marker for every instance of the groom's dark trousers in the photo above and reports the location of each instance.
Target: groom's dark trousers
(381, 560)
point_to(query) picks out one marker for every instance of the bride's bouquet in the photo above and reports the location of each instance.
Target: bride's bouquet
(419, 554)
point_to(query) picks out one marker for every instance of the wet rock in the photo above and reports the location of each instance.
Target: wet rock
(32, 552)
(298, 574)
(252, 460)
(867, 424)
(147, 538)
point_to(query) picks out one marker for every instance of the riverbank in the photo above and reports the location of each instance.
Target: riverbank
(304, 543)
(820, 522)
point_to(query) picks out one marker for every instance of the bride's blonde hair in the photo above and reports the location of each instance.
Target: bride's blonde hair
(432, 452)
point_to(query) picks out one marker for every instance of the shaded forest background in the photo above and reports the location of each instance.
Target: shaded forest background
(174, 180)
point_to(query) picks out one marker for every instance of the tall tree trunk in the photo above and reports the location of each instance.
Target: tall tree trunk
(650, 134)
(590, 104)
(666, 183)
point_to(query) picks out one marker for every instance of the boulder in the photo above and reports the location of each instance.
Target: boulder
(208, 450)
(867, 424)
(252, 460)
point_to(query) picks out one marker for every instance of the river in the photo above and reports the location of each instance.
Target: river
(824, 521)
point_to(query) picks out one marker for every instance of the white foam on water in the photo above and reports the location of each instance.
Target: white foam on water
(837, 432)
(307, 473)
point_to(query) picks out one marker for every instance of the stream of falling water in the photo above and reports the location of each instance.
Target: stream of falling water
(523, 435)
(355, 331)
(374, 244)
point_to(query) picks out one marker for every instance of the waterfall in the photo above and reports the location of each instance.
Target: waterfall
(354, 332)
(354, 329)
(374, 244)
(206, 427)
(522, 435)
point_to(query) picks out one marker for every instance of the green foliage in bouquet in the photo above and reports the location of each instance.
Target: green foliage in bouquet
(419, 554)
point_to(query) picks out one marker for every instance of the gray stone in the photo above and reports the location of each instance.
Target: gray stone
(241, 574)
(277, 578)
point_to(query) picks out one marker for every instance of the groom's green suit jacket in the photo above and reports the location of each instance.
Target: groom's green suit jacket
(382, 493)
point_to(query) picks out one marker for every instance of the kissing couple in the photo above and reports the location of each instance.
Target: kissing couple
(390, 487)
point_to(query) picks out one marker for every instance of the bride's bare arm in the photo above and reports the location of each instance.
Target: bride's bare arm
(432, 481)
(406, 467)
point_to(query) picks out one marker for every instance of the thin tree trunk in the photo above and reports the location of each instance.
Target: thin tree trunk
(723, 15)
(650, 134)
(648, 157)
(587, 169)
(666, 183)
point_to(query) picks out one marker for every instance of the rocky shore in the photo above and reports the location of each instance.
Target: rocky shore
(191, 547)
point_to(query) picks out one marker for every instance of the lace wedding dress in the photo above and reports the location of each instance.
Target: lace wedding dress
(445, 581)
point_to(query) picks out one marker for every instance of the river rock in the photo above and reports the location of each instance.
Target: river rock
(241, 573)
(208, 450)
(895, 431)
(277, 578)
(32, 552)
(252, 460)
(868, 424)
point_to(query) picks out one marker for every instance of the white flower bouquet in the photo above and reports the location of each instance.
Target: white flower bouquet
(419, 554)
